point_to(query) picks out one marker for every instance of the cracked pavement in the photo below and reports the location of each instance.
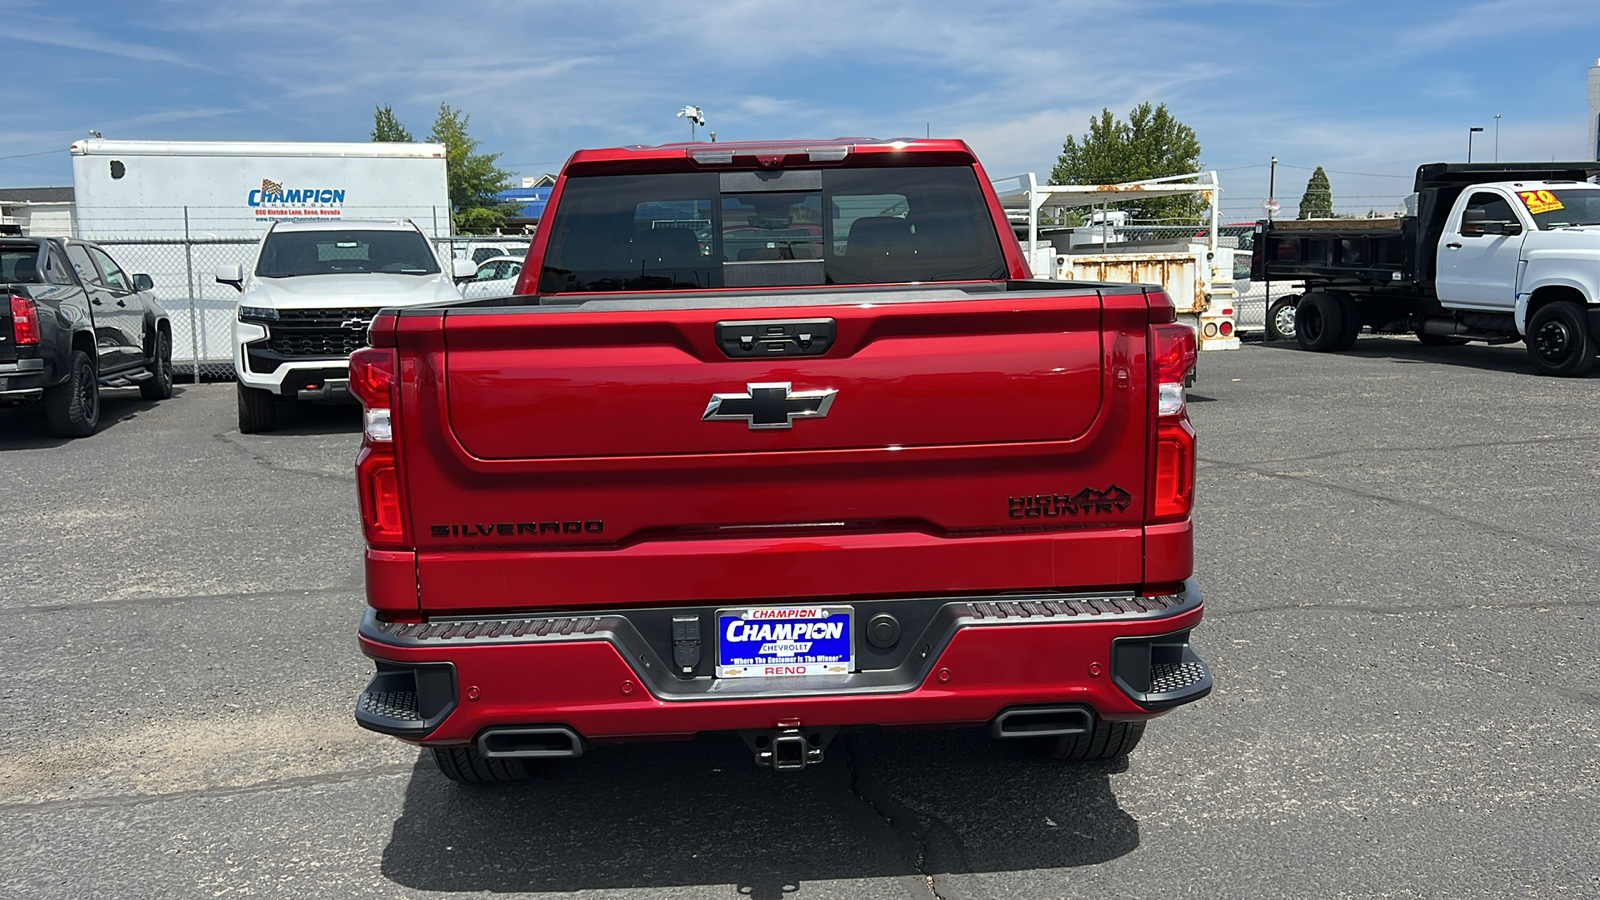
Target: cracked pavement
(1396, 547)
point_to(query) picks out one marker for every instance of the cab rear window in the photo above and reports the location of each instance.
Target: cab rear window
(796, 227)
(20, 264)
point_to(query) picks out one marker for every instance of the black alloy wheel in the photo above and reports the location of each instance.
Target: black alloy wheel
(1558, 340)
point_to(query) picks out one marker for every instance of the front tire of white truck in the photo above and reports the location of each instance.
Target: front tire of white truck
(258, 410)
(1558, 340)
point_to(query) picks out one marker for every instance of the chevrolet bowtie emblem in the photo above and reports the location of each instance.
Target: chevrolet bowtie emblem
(769, 406)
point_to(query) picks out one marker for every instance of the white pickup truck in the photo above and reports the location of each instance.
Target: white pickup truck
(1496, 252)
(307, 302)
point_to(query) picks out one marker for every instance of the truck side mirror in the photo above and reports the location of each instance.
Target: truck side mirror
(232, 274)
(463, 269)
(143, 282)
(1503, 228)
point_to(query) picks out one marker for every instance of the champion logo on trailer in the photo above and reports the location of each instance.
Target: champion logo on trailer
(271, 193)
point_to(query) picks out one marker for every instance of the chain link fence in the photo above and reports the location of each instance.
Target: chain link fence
(203, 311)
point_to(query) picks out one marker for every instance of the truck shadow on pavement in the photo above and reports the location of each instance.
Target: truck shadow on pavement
(24, 427)
(1512, 358)
(908, 804)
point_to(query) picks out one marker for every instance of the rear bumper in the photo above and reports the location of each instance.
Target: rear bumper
(443, 681)
(22, 379)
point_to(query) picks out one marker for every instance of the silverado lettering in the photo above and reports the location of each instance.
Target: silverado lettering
(778, 582)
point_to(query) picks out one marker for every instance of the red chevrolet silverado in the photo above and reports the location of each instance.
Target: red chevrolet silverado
(776, 440)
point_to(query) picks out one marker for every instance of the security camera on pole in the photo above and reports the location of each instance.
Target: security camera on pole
(695, 117)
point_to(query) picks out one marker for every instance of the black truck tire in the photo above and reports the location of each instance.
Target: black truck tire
(1319, 322)
(159, 385)
(1280, 318)
(73, 407)
(1352, 322)
(467, 766)
(1108, 740)
(1558, 341)
(258, 410)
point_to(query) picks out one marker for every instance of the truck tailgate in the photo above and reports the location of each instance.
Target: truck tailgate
(564, 458)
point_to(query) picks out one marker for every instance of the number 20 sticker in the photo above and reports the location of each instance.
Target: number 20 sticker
(1540, 201)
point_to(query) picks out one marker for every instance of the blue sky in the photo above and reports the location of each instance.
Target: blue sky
(1366, 89)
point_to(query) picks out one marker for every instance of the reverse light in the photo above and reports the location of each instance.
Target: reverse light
(24, 320)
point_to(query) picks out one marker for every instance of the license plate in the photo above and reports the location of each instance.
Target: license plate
(784, 641)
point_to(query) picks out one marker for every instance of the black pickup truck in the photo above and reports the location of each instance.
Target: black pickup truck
(74, 322)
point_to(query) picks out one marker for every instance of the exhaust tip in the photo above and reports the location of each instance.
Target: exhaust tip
(543, 742)
(1042, 721)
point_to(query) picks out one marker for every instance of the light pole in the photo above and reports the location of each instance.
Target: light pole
(1496, 137)
(696, 117)
(1470, 132)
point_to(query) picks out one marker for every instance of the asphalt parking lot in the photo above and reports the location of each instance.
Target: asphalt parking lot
(1397, 547)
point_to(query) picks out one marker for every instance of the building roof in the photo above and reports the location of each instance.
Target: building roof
(36, 195)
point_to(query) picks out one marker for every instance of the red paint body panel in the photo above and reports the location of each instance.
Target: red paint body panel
(581, 685)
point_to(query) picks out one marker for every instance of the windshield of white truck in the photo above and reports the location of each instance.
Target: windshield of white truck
(1562, 207)
(290, 254)
(747, 229)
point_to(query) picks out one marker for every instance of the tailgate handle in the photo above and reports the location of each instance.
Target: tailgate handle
(775, 337)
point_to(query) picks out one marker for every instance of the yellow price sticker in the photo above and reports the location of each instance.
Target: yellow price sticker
(1540, 201)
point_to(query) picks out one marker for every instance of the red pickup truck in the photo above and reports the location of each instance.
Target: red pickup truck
(776, 439)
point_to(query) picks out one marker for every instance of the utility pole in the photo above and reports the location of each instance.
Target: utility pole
(1496, 137)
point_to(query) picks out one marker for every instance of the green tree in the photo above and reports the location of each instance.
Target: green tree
(1151, 144)
(474, 178)
(386, 126)
(1317, 201)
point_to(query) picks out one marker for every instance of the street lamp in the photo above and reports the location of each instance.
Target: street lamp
(696, 117)
(1470, 132)
(1496, 137)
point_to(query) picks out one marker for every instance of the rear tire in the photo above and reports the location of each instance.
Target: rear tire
(73, 407)
(1280, 319)
(465, 765)
(1558, 340)
(1109, 740)
(258, 410)
(1352, 322)
(159, 385)
(1319, 322)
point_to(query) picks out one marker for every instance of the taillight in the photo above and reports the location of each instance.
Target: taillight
(1172, 358)
(24, 320)
(372, 373)
(378, 485)
(372, 381)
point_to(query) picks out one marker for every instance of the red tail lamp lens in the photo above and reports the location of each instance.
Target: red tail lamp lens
(1173, 349)
(1175, 457)
(378, 482)
(372, 373)
(24, 320)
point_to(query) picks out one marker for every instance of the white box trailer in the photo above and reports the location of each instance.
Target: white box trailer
(1197, 274)
(235, 189)
(177, 209)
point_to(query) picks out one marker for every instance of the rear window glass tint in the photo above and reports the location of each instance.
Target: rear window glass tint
(682, 231)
